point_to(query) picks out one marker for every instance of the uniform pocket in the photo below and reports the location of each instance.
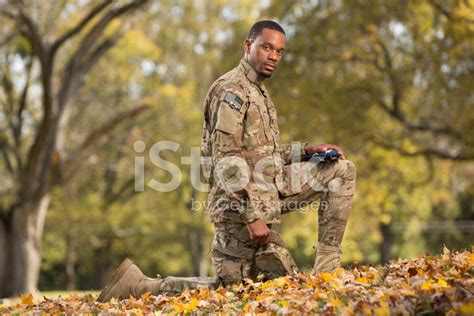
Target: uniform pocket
(228, 119)
(231, 246)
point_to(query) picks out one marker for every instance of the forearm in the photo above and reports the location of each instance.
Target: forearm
(293, 151)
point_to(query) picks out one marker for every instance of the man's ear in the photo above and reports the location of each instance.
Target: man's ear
(247, 44)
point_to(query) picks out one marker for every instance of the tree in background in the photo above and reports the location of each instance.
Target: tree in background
(33, 144)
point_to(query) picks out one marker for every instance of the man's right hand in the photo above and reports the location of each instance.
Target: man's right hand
(322, 148)
(259, 231)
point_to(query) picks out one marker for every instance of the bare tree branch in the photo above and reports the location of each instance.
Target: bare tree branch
(7, 39)
(441, 9)
(5, 148)
(8, 14)
(70, 77)
(96, 135)
(30, 30)
(80, 25)
(449, 13)
(91, 37)
(395, 109)
(125, 191)
(22, 104)
(103, 47)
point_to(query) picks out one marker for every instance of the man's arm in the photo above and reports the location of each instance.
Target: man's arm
(227, 152)
(292, 151)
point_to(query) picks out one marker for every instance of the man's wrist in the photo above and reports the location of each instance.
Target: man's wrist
(250, 217)
(304, 152)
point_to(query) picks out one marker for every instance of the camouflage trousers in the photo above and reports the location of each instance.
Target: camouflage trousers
(334, 183)
(235, 257)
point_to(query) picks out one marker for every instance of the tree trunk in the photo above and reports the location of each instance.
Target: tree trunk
(20, 239)
(204, 262)
(387, 242)
(70, 262)
(198, 246)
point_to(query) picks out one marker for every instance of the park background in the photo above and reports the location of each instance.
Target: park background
(82, 81)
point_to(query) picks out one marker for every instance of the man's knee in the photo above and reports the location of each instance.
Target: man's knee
(274, 260)
(350, 168)
(231, 270)
(342, 178)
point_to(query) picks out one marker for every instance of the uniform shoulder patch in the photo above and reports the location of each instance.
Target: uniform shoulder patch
(234, 100)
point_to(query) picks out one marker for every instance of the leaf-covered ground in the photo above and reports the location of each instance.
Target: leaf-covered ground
(428, 284)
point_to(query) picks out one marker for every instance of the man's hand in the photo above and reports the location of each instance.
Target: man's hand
(322, 148)
(259, 231)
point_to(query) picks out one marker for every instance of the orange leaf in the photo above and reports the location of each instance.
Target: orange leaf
(145, 296)
(27, 300)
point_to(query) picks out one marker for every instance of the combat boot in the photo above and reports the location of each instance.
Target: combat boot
(128, 280)
(327, 258)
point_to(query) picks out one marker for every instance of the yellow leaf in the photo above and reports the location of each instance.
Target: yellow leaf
(145, 296)
(427, 285)
(266, 284)
(189, 307)
(335, 302)
(280, 282)
(467, 309)
(247, 308)
(383, 310)
(339, 272)
(284, 304)
(362, 280)
(442, 282)
(178, 307)
(326, 276)
(27, 300)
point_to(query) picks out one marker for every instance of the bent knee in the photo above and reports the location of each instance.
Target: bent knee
(351, 167)
(345, 169)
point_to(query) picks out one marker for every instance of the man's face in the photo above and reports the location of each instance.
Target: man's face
(265, 52)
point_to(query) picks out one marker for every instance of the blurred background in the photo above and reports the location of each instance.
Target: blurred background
(391, 82)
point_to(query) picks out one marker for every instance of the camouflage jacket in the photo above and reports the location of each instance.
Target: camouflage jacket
(242, 140)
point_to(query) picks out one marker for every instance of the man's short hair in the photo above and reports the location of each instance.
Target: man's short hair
(257, 28)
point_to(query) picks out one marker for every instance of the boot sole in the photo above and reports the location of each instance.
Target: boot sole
(116, 276)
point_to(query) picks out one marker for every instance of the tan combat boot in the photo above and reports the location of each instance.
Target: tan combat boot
(128, 280)
(327, 259)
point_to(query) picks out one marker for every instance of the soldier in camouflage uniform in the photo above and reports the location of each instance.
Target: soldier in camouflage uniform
(253, 179)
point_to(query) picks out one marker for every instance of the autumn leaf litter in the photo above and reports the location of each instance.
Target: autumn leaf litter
(441, 284)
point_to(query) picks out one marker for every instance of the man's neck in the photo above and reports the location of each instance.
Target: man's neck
(259, 78)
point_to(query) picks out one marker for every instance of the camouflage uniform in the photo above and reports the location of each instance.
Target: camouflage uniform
(241, 127)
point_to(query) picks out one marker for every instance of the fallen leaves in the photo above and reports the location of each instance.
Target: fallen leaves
(442, 284)
(26, 300)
